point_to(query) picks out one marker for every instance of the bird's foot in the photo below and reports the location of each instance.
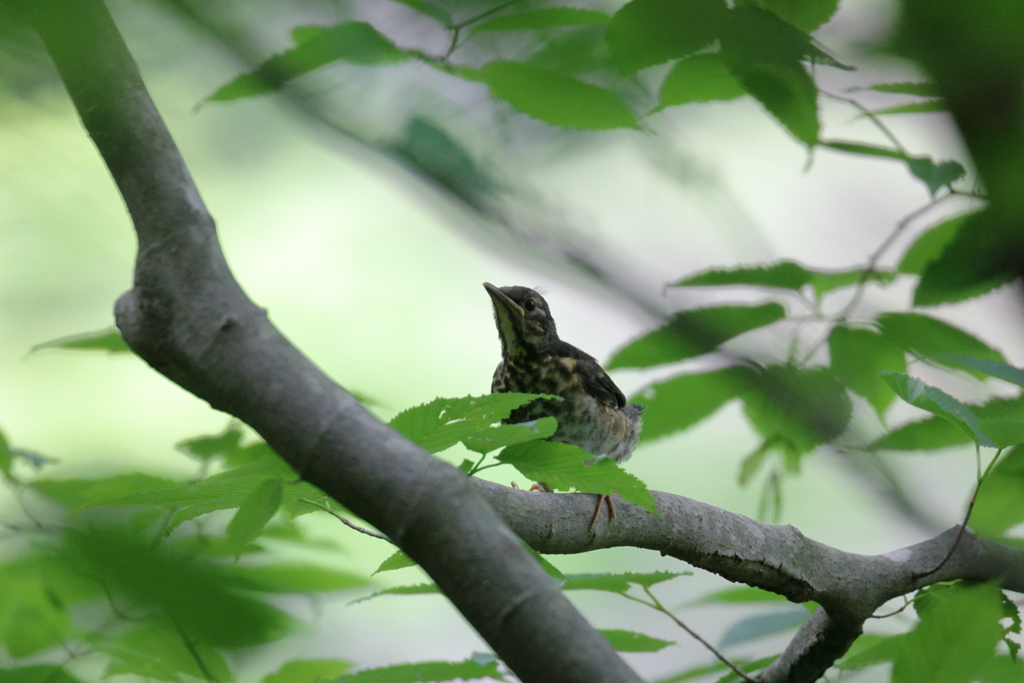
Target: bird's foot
(601, 501)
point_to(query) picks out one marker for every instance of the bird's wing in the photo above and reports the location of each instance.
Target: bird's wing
(597, 382)
(498, 381)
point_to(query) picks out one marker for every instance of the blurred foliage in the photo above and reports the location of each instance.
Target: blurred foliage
(129, 569)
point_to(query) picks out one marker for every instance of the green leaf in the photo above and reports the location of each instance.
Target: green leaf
(919, 89)
(397, 560)
(155, 649)
(683, 401)
(648, 32)
(787, 92)
(431, 9)
(930, 245)
(308, 671)
(631, 641)
(938, 104)
(954, 638)
(1002, 670)
(549, 569)
(617, 583)
(444, 422)
(554, 98)
(315, 46)
(924, 435)
(561, 466)
(758, 36)
(293, 578)
(864, 149)
(542, 18)
(467, 670)
(700, 78)
(434, 153)
(857, 356)
(824, 282)
(493, 438)
(739, 595)
(935, 401)
(418, 589)
(695, 672)
(797, 407)
(191, 591)
(984, 254)
(39, 673)
(254, 512)
(785, 275)
(806, 15)
(694, 333)
(936, 175)
(80, 493)
(928, 337)
(1000, 503)
(108, 340)
(761, 625)
(869, 650)
(206, 447)
(36, 619)
(1002, 432)
(748, 667)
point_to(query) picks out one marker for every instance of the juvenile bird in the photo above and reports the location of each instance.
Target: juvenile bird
(593, 414)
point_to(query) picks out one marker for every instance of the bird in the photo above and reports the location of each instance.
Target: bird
(593, 413)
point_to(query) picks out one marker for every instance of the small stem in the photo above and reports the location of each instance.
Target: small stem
(195, 653)
(906, 604)
(871, 115)
(346, 522)
(476, 468)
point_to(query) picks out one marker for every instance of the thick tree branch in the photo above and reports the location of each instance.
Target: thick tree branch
(188, 318)
(848, 587)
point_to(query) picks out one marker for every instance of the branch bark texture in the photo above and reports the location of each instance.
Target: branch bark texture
(188, 318)
(848, 587)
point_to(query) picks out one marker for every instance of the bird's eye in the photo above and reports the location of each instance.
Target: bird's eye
(529, 305)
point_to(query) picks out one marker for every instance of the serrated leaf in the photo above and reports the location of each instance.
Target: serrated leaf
(788, 93)
(1000, 503)
(254, 512)
(542, 18)
(984, 254)
(554, 98)
(954, 638)
(694, 333)
(38, 673)
(985, 366)
(430, 9)
(191, 591)
(923, 435)
(824, 282)
(785, 275)
(155, 649)
(930, 245)
(683, 401)
(80, 493)
(417, 589)
(108, 340)
(920, 89)
(927, 337)
(549, 569)
(857, 356)
(499, 436)
(700, 78)
(467, 670)
(938, 104)
(617, 583)
(1002, 670)
(869, 650)
(561, 466)
(1002, 432)
(396, 560)
(444, 422)
(648, 32)
(936, 175)
(937, 402)
(806, 15)
(739, 595)
(762, 625)
(206, 447)
(631, 641)
(797, 408)
(315, 46)
(754, 35)
(308, 671)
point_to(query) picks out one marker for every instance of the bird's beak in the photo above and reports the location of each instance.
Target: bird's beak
(502, 301)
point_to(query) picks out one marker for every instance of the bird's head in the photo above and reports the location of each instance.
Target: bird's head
(524, 320)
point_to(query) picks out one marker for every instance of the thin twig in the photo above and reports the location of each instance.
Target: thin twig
(345, 521)
(871, 115)
(906, 604)
(195, 654)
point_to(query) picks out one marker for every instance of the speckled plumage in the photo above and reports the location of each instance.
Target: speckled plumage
(593, 413)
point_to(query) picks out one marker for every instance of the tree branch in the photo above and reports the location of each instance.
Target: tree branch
(188, 318)
(848, 587)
